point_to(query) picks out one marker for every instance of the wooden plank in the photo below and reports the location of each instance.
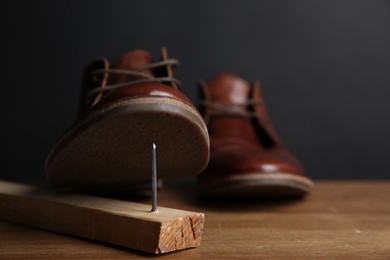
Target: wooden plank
(121, 223)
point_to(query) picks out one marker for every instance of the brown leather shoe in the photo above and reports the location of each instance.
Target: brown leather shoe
(126, 106)
(247, 157)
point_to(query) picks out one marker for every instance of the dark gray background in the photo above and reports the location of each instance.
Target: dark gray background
(324, 65)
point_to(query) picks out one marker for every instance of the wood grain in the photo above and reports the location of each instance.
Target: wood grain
(120, 223)
(339, 220)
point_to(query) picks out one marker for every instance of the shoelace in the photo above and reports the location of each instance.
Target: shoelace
(136, 73)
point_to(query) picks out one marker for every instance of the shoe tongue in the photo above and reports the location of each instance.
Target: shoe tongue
(228, 89)
(134, 60)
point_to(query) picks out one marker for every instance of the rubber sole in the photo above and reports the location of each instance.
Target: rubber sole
(111, 148)
(255, 185)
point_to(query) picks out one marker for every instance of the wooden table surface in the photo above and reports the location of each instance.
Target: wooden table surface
(343, 219)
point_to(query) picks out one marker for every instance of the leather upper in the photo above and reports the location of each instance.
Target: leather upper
(242, 137)
(132, 61)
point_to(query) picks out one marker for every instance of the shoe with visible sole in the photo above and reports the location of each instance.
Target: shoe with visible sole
(126, 106)
(247, 159)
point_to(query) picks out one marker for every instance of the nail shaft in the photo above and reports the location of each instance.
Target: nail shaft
(154, 179)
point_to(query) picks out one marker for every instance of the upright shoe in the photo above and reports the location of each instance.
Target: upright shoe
(127, 105)
(248, 158)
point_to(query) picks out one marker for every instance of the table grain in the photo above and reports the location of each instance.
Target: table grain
(339, 219)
